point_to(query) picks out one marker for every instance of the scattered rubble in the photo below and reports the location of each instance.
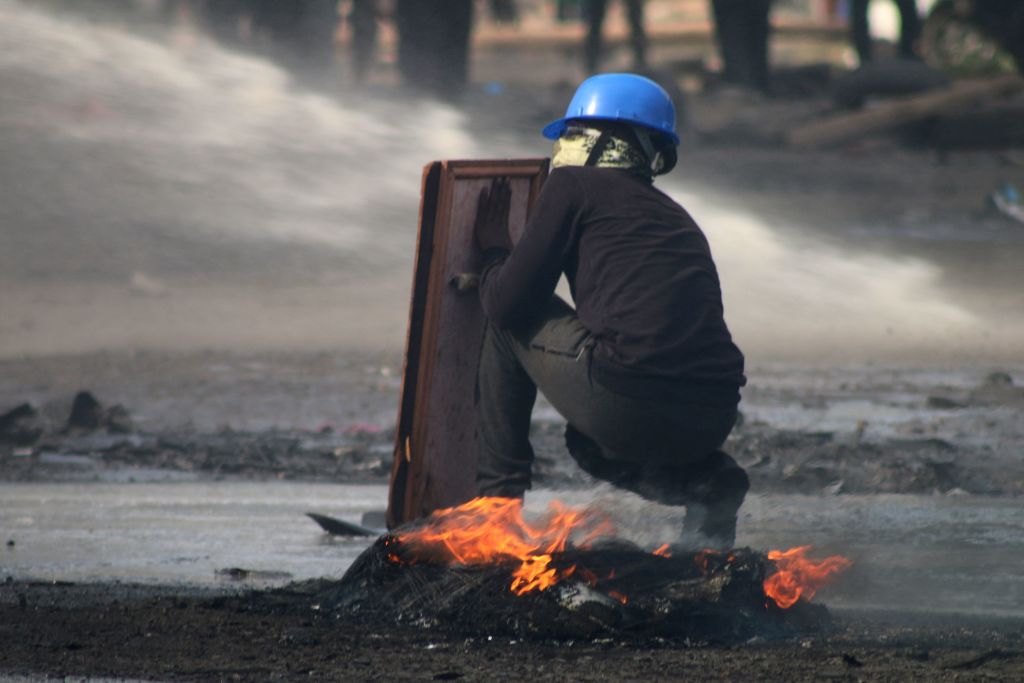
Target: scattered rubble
(242, 574)
(962, 436)
(89, 415)
(802, 462)
(778, 460)
(292, 455)
(20, 426)
(1007, 199)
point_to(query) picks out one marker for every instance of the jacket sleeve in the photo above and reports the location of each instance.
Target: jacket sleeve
(515, 285)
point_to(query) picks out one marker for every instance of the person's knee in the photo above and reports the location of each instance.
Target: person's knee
(498, 341)
(719, 477)
(595, 462)
(734, 482)
(487, 487)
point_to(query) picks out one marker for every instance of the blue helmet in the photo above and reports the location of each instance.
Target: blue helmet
(628, 98)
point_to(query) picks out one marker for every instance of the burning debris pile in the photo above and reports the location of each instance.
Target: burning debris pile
(481, 569)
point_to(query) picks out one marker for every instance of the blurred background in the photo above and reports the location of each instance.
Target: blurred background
(244, 174)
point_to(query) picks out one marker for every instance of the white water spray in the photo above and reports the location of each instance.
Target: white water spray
(812, 301)
(217, 144)
(259, 214)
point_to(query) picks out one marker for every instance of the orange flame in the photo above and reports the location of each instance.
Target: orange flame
(702, 558)
(798, 577)
(663, 551)
(490, 529)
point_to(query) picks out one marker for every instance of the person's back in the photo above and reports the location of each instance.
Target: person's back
(644, 283)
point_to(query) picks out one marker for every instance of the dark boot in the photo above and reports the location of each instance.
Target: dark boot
(712, 491)
(715, 496)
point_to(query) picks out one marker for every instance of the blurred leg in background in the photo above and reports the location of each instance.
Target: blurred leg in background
(362, 21)
(313, 36)
(910, 28)
(742, 28)
(504, 11)
(635, 10)
(595, 11)
(758, 33)
(568, 10)
(433, 46)
(227, 20)
(861, 29)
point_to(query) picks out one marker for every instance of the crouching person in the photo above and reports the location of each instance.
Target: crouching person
(644, 369)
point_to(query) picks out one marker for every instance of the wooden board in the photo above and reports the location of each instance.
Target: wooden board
(899, 111)
(435, 454)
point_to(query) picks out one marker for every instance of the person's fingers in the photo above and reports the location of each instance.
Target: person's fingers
(503, 191)
(482, 204)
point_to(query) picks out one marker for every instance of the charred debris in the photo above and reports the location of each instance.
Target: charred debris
(617, 591)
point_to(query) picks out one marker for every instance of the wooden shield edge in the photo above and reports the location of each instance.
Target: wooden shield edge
(413, 340)
(409, 478)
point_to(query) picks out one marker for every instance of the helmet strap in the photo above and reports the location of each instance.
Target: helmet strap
(599, 146)
(655, 158)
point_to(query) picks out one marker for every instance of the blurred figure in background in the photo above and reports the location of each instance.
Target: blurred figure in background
(433, 44)
(298, 34)
(504, 11)
(594, 11)
(230, 21)
(302, 31)
(568, 10)
(910, 28)
(1003, 19)
(835, 10)
(362, 23)
(742, 28)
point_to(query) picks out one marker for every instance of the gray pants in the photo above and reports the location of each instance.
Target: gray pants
(665, 451)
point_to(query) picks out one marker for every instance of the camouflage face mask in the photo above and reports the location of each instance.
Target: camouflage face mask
(576, 145)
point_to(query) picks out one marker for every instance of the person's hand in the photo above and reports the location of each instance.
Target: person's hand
(491, 227)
